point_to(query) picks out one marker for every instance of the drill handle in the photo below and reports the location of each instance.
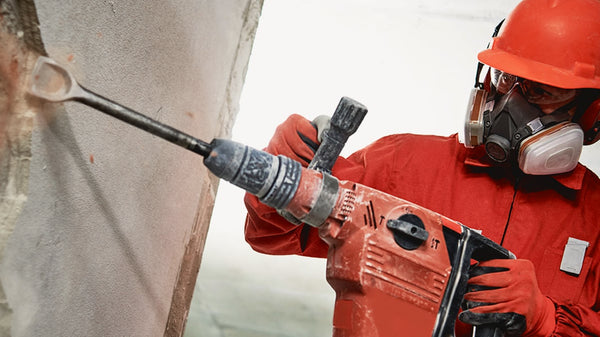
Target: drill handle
(488, 331)
(345, 121)
(470, 245)
(486, 249)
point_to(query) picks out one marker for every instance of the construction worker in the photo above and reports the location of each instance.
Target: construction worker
(515, 175)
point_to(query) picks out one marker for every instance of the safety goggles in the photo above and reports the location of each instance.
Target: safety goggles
(534, 92)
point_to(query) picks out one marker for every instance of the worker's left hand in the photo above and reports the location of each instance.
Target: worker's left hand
(505, 293)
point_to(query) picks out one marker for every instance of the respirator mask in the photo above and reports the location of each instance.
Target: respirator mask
(524, 122)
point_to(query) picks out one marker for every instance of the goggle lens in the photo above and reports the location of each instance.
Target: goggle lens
(534, 92)
(502, 81)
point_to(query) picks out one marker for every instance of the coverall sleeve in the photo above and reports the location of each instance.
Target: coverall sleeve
(269, 233)
(576, 321)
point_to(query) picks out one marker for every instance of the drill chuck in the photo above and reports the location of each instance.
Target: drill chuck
(273, 179)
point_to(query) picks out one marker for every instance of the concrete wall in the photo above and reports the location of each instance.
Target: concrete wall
(109, 239)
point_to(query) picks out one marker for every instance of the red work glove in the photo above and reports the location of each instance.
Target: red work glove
(505, 293)
(296, 138)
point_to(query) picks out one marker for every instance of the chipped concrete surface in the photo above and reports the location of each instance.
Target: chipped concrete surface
(17, 113)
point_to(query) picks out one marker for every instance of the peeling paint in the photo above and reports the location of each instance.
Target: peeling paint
(16, 124)
(20, 47)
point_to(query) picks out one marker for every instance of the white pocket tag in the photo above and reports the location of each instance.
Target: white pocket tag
(572, 259)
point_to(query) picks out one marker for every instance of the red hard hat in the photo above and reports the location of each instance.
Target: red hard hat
(555, 42)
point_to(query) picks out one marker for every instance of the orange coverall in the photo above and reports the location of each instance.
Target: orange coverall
(532, 216)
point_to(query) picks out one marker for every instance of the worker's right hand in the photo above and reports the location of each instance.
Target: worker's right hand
(296, 138)
(505, 293)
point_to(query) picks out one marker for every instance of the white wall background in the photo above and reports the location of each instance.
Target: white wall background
(411, 63)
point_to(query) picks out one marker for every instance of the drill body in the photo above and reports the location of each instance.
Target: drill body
(398, 269)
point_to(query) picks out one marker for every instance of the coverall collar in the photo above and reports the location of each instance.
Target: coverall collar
(572, 180)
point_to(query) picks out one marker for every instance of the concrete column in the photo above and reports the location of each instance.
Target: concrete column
(102, 226)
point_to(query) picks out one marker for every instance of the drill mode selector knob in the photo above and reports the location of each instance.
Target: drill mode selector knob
(409, 231)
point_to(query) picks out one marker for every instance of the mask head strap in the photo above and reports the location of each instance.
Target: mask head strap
(538, 124)
(478, 83)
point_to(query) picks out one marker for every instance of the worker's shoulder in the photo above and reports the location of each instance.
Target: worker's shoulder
(410, 140)
(591, 181)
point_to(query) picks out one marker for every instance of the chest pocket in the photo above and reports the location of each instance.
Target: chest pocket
(562, 286)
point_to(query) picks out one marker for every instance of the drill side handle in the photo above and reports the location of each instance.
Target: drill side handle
(345, 121)
(484, 250)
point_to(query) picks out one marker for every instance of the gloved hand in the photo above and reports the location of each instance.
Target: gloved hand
(505, 293)
(297, 138)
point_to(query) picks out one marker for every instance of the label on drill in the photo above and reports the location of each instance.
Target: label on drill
(572, 259)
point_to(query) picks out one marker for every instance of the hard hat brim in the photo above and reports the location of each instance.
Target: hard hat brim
(539, 72)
